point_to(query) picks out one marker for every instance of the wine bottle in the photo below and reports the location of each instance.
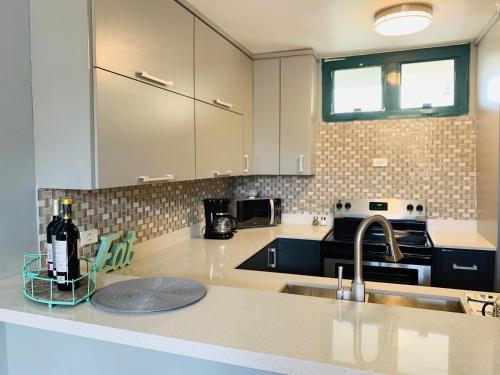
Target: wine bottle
(56, 220)
(66, 250)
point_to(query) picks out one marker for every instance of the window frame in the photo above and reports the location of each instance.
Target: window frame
(391, 63)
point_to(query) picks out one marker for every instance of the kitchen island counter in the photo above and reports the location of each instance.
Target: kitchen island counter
(243, 321)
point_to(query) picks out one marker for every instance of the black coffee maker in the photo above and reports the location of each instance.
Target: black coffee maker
(219, 224)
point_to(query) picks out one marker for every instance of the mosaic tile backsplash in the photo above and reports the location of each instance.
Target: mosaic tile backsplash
(150, 210)
(431, 159)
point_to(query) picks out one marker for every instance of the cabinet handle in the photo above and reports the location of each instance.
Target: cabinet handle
(271, 251)
(245, 163)
(301, 163)
(149, 77)
(465, 268)
(167, 177)
(223, 104)
(223, 174)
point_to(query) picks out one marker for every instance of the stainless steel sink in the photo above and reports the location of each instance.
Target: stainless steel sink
(312, 291)
(427, 303)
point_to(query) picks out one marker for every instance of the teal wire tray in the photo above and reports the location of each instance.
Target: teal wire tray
(39, 287)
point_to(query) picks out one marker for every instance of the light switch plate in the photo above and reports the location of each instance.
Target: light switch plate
(380, 162)
(89, 237)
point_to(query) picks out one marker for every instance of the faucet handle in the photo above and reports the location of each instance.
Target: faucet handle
(340, 291)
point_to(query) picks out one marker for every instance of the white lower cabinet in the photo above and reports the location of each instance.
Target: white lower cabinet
(142, 132)
(219, 142)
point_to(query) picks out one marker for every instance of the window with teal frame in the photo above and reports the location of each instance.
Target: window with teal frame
(413, 83)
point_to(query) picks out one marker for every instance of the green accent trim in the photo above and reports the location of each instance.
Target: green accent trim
(391, 63)
(32, 270)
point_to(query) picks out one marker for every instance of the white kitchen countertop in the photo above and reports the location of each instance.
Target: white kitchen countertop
(244, 321)
(458, 234)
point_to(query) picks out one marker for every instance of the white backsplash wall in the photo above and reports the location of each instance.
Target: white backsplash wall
(429, 158)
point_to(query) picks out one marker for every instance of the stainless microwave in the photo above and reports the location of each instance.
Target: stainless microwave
(257, 212)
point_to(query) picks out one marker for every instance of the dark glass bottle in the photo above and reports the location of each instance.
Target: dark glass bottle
(66, 249)
(51, 228)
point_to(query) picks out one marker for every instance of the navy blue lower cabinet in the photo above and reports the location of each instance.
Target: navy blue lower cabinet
(301, 257)
(463, 269)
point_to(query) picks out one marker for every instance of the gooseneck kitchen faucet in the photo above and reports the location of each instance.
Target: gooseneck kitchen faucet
(357, 291)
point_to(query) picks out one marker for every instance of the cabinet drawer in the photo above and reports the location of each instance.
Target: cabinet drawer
(464, 269)
(219, 69)
(141, 130)
(149, 40)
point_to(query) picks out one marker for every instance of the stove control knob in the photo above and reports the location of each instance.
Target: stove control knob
(420, 208)
(410, 207)
(347, 206)
(339, 206)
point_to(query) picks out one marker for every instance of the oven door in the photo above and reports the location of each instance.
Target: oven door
(255, 212)
(384, 272)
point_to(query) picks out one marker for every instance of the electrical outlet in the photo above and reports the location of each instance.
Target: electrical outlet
(89, 237)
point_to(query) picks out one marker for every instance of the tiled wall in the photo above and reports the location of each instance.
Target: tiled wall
(431, 159)
(150, 210)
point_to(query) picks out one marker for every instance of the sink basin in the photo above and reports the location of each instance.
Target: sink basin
(312, 291)
(427, 303)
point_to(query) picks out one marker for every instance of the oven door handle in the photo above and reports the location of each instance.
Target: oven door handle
(424, 271)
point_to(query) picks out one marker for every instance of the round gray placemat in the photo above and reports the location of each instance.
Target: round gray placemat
(148, 295)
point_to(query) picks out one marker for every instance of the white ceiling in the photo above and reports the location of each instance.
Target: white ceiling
(337, 27)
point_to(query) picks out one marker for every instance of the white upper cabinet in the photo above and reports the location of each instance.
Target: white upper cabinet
(219, 142)
(298, 114)
(149, 40)
(267, 116)
(248, 120)
(219, 70)
(285, 114)
(142, 132)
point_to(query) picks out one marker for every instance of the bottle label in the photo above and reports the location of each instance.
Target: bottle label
(53, 246)
(61, 279)
(50, 258)
(61, 257)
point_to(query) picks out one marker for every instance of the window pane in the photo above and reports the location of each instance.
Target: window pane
(357, 90)
(428, 84)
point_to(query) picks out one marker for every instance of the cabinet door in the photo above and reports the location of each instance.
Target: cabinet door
(264, 260)
(150, 40)
(219, 142)
(267, 116)
(464, 269)
(248, 123)
(301, 257)
(218, 69)
(141, 130)
(298, 114)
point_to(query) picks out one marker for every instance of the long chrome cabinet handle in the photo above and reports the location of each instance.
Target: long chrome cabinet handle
(151, 78)
(271, 251)
(223, 104)
(245, 163)
(223, 174)
(167, 177)
(465, 268)
(301, 163)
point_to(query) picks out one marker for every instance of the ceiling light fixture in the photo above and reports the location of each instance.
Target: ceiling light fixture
(403, 19)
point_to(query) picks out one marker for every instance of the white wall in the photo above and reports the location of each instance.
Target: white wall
(17, 165)
(488, 142)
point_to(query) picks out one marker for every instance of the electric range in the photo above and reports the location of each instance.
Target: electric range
(409, 221)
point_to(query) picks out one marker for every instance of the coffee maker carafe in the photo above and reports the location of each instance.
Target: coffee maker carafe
(219, 224)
